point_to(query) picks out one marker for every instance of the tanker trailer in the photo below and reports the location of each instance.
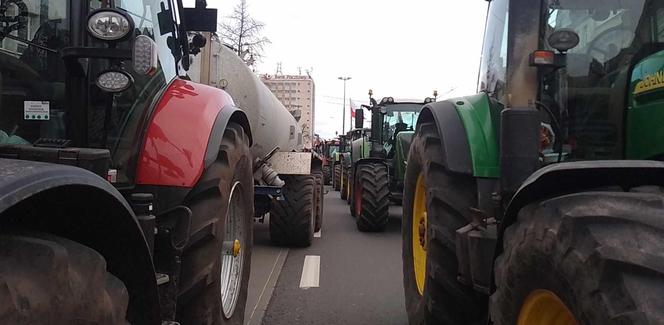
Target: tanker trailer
(278, 150)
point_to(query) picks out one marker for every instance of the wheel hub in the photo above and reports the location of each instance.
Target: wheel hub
(543, 307)
(419, 234)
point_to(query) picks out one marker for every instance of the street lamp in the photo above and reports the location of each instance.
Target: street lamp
(343, 115)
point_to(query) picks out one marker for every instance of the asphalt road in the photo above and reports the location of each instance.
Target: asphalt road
(349, 277)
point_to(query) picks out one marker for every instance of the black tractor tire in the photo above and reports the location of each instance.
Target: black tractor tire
(371, 197)
(199, 295)
(350, 178)
(337, 177)
(601, 253)
(327, 175)
(344, 182)
(320, 192)
(45, 279)
(449, 197)
(292, 220)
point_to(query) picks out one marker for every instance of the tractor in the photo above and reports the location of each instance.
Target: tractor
(353, 135)
(539, 200)
(339, 157)
(127, 190)
(328, 151)
(379, 159)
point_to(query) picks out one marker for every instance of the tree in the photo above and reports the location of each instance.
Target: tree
(243, 34)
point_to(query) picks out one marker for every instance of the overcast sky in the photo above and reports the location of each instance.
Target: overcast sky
(403, 49)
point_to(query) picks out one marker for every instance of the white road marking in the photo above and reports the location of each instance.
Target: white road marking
(310, 272)
(318, 233)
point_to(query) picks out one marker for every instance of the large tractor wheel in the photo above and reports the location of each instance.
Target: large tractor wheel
(371, 197)
(216, 261)
(319, 199)
(327, 175)
(585, 258)
(344, 182)
(349, 187)
(337, 177)
(45, 279)
(292, 220)
(436, 203)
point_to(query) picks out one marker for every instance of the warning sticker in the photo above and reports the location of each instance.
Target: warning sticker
(36, 110)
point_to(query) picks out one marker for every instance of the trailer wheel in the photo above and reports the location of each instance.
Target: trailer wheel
(584, 258)
(216, 262)
(49, 279)
(327, 176)
(371, 197)
(337, 177)
(436, 203)
(292, 220)
(319, 199)
(344, 182)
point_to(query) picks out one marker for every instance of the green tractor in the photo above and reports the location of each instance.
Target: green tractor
(346, 161)
(379, 159)
(540, 200)
(337, 160)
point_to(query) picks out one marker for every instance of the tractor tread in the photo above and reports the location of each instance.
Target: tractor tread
(337, 177)
(449, 197)
(50, 279)
(374, 214)
(291, 219)
(605, 246)
(320, 192)
(198, 298)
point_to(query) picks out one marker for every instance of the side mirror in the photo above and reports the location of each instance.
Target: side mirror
(200, 19)
(359, 118)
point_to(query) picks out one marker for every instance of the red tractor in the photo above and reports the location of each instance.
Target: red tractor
(126, 190)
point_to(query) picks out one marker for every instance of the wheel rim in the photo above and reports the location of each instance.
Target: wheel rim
(232, 258)
(543, 307)
(419, 234)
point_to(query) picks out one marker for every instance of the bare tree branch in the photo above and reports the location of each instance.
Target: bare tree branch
(244, 34)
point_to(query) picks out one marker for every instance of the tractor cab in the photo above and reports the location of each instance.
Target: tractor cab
(84, 74)
(392, 122)
(597, 82)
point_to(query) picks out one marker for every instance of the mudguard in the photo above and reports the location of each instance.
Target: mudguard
(404, 140)
(74, 203)
(184, 134)
(468, 132)
(571, 177)
(364, 161)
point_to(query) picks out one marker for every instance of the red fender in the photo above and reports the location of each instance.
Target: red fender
(173, 152)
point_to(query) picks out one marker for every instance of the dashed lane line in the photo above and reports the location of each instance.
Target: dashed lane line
(318, 233)
(310, 272)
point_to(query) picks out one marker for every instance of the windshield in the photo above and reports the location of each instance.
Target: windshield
(589, 93)
(399, 117)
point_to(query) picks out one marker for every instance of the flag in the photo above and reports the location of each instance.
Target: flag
(352, 108)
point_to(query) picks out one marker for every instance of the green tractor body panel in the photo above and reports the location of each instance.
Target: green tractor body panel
(360, 149)
(645, 111)
(404, 139)
(481, 121)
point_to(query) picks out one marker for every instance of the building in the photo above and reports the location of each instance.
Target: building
(297, 94)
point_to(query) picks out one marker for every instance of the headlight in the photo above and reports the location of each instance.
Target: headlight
(114, 81)
(144, 55)
(109, 24)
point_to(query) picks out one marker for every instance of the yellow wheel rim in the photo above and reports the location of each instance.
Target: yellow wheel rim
(543, 307)
(420, 234)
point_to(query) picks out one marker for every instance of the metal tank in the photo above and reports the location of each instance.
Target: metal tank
(272, 124)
